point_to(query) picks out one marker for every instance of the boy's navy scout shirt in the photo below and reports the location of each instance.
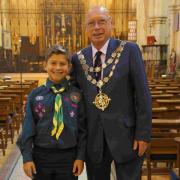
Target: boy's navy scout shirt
(38, 122)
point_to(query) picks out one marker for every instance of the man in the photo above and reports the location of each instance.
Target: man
(117, 101)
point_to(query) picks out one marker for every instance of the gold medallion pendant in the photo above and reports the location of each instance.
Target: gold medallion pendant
(101, 101)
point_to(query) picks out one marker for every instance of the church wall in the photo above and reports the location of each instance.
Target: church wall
(174, 25)
(158, 18)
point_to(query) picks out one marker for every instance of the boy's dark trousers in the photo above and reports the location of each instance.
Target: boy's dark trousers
(54, 164)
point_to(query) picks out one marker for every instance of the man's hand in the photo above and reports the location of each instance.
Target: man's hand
(141, 146)
(78, 167)
(29, 169)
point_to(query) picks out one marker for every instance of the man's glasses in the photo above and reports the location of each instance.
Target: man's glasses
(100, 23)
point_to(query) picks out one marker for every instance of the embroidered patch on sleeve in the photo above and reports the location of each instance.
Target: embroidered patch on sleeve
(39, 98)
(71, 114)
(74, 105)
(75, 97)
(40, 109)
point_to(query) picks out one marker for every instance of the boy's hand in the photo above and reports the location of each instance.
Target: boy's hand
(78, 167)
(29, 169)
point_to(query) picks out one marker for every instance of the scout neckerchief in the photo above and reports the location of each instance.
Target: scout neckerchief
(101, 100)
(58, 124)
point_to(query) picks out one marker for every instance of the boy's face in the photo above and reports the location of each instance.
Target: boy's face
(57, 67)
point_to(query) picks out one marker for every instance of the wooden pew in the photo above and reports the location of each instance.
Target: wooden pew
(165, 80)
(167, 88)
(13, 106)
(175, 92)
(166, 123)
(16, 91)
(6, 91)
(176, 84)
(167, 110)
(155, 85)
(9, 99)
(161, 96)
(8, 82)
(34, 82)
(6, 123)
(159, 112)
(165, 113)
(169, 103)
(156, 92)
(25, 88)
(20, 93)
(160, 80)
(163, 148)
(2, 142)
(3, 87)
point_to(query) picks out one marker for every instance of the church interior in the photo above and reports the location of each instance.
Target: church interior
(28, 28)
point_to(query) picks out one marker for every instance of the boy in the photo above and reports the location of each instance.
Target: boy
(52, 142)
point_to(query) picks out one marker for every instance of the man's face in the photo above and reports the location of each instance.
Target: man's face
(57, 67)
(98, 25)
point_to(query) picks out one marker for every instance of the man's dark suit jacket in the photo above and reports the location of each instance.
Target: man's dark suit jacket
(128, 115)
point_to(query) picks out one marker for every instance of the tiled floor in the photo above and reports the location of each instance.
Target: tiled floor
(8, 161)
(18, 173)
(9, 151)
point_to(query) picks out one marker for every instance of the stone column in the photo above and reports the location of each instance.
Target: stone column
(174, 36)
(142, 18)
(158, 20)
(152, 20)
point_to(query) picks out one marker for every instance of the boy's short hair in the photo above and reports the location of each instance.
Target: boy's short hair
(56, 49)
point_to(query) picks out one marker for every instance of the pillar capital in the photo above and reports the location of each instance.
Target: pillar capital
(174, 8)
(157, 20)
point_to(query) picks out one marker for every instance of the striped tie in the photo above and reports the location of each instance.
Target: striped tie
(58, 124)
(98, 63)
